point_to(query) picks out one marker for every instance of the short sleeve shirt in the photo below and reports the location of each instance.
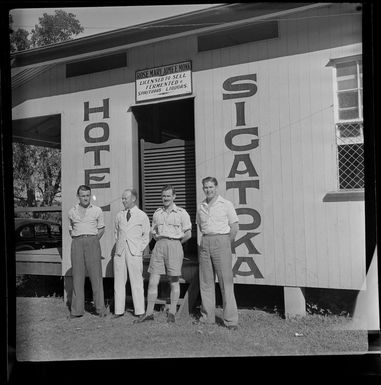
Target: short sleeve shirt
(89, 224)
(173, 224)
(217, 218)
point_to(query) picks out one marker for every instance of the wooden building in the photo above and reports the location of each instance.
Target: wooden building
(266, 97)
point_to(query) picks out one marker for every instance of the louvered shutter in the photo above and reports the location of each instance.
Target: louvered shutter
(172, 162)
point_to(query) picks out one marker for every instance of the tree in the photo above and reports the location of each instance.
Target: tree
(19, 39)
(55, 28)
(37, 170)
(37, 175)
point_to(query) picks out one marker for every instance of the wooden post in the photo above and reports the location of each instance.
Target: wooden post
(191, 294)
(294, 301)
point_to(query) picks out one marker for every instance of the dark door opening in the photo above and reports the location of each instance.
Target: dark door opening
(167, 156)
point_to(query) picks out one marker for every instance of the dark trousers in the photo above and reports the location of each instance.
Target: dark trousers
(86, 255)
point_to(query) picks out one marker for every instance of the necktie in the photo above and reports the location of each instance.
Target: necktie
(128, 216)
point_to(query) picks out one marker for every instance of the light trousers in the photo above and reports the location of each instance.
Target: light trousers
(127, 265)
(216, 258)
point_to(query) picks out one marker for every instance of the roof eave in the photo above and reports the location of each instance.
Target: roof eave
(215, 18)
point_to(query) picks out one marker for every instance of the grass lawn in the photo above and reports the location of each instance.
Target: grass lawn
(43, 333)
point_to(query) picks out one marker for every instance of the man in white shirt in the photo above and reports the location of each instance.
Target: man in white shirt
(218, 223)
(86, 227)
(132, 229)
(171, 228)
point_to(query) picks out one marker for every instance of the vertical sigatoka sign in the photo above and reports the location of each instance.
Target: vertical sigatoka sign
(243, 141)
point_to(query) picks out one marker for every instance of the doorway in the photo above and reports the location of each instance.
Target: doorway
(167, 156)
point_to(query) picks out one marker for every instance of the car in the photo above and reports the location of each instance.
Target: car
(35, 234)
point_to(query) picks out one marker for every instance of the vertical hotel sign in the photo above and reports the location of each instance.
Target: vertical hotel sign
(163, 82)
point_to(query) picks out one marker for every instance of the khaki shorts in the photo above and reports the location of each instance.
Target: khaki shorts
(167, 257)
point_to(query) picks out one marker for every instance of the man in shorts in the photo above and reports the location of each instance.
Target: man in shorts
(171, 227)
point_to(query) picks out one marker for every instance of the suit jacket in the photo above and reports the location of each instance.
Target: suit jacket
(133, 234)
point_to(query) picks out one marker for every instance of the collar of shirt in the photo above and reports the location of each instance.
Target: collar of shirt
(88, 207)
(219, 199)
(174, 208)
(131, 209)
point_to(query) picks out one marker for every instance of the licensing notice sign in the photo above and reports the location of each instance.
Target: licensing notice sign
(163, 82)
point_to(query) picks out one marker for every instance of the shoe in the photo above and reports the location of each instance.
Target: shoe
(117, 316)
(72, 316)
(232, 327)
(144, 317)
(171, 318)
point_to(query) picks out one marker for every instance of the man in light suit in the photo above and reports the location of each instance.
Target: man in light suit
(132, 229)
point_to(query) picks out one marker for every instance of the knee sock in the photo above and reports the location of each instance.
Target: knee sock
(175, 295)
(151, 299)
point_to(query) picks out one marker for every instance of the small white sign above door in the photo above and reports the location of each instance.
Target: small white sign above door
(163, 82)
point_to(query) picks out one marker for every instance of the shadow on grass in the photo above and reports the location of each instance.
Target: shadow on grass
(260, 297)
(39, 286)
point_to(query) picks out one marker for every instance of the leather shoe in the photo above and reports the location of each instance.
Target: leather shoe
(117, 316)
(171, 318)
(72, 316)
(232, 327)
(144, 317)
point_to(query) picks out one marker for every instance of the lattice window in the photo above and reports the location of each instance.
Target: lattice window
(349, 124)
(350, 152)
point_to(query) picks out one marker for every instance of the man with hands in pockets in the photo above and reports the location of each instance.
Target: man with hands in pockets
(132, 230)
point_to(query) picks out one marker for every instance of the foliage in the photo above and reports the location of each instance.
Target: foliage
(55, 28)
(18, 39)
(51, 29)
(37, 170)
(36, 174)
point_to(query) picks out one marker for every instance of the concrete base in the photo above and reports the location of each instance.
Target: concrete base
(294, 301)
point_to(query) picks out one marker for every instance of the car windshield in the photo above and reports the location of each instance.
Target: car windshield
(55, 230)
(41, 230)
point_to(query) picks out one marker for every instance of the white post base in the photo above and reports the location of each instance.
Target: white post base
(294, 302)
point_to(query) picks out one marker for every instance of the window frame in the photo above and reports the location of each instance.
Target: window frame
(341, 194)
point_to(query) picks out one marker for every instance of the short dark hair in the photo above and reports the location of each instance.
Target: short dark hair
(83, 187)
(210, 179)
(168, 187)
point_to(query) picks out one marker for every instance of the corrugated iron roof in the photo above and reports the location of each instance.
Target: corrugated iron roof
(20, 76)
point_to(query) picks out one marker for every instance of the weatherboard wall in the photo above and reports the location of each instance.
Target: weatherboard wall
(299, 239)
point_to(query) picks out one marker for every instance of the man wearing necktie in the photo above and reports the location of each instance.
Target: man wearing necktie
(132, 229)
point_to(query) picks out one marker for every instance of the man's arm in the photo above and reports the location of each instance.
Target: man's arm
(101, 224)
(153, 228)
(70, 225)
(101, 232)
(187, 226)
(186, 237)
(116, 227)
(233, 230)
(146, 233)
